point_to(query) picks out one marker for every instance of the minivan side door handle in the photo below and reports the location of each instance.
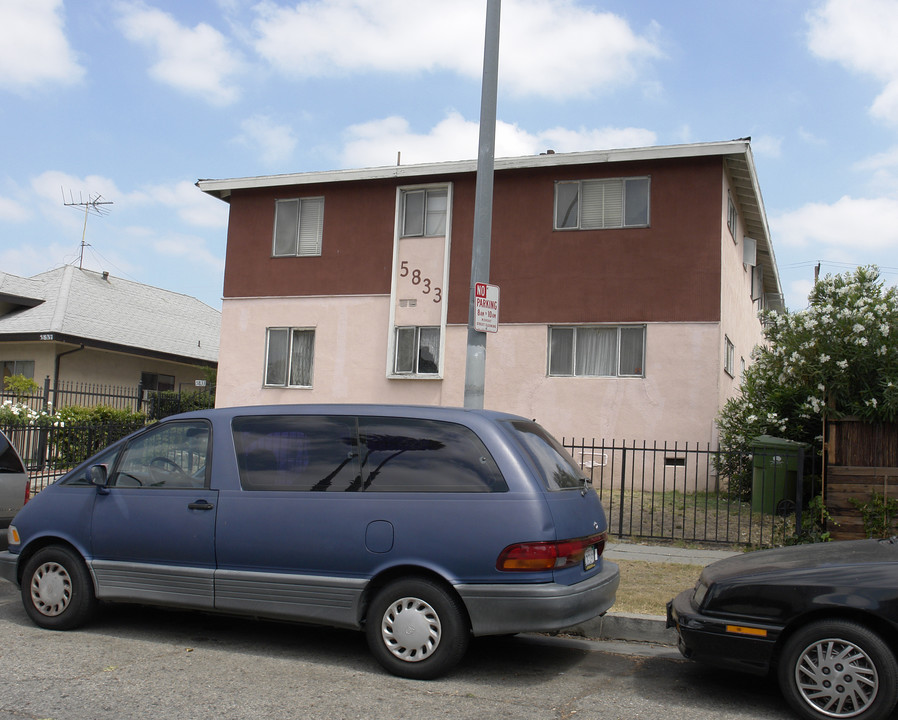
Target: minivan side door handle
(200, 505)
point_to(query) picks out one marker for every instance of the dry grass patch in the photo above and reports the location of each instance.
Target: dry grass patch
(645, 587)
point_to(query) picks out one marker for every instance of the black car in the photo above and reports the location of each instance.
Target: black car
(823, 617)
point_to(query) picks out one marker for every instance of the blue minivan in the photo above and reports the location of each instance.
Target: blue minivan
(421, 526)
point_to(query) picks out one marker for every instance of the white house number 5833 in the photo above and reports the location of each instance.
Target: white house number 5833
(417, 278)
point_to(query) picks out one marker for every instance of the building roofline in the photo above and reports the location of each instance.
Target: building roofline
(222, 188)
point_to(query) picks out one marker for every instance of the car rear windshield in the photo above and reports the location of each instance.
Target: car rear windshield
(9, 461)
(558, 468)
(374, 454)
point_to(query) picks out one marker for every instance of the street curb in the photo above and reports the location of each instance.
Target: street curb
(630, 627)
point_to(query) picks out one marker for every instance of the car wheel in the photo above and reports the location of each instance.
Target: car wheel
(838, 669)
(416, 628)
(57, 590)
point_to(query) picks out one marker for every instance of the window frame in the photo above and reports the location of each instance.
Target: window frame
(574, 361)
(604, 183)
(298, 250)
(421, 228)
(289, 360)
(397, 347)
(732, 217)
(15, 369)
(729, 357)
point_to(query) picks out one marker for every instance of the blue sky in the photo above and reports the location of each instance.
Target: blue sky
(135, 101)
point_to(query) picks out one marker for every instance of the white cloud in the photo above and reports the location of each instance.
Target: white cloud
(845, 228)
(193, 60)
(190, 203)
(377, 142)
(274, 143)
(580, 50)
(33, 46)
(12, 210)
(860, 34)
(767, 145)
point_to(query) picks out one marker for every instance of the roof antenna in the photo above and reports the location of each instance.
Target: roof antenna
(95, 204)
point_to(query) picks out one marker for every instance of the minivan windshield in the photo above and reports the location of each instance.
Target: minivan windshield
(558, 468)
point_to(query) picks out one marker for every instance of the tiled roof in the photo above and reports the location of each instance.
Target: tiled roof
(97, 307)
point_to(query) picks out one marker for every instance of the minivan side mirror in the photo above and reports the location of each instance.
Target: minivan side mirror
(99, 476)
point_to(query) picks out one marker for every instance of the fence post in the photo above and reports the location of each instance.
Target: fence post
(799, 490)
(139, 395)
(47, 394)
(623, 489)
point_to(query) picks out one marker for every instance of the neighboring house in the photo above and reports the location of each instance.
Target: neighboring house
(630, 280)
(78, 326)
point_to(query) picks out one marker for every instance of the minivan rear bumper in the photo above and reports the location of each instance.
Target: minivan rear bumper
(539, 607)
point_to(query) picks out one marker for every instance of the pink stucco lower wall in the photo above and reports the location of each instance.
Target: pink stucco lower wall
(677, 400)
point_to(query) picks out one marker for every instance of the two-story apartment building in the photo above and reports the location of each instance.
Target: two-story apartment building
(630, 282)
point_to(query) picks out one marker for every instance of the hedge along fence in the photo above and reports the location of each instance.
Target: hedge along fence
(52, 443)
(861, 472)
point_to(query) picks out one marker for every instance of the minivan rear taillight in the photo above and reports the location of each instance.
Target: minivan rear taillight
(536, 556)
(27, 491)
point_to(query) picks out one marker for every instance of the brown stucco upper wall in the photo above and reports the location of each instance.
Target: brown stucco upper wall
(356, 250)
(667, 272)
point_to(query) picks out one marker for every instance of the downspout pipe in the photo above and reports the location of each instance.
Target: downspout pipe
(56, 371)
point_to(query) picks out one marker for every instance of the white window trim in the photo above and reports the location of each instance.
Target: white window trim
(319, 230)
(290, 331)
(397, 236)
(623, 211)
(732, 218)
(729, 357)
(575, 328)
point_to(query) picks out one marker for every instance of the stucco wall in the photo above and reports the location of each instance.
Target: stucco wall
(677, 400)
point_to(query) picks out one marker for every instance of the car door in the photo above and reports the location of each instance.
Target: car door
(153, 525)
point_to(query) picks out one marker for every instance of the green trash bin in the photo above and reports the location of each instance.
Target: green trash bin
(774, 473)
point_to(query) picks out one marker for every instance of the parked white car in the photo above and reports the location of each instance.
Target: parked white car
(14, 486)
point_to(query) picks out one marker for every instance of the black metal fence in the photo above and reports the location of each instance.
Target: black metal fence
(49, 452)
(674, 492)
(155, 403)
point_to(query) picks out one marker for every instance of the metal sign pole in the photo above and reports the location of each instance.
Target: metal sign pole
(475, 366)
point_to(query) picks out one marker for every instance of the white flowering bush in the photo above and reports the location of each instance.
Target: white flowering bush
(837, 358)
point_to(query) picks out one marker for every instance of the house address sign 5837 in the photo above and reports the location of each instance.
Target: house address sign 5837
(47, 336)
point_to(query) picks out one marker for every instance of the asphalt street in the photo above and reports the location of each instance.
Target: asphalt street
(135, 662)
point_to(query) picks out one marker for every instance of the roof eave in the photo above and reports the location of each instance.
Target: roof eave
(222, 189)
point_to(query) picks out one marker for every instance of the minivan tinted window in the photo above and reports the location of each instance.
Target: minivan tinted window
(334, 453)
(401, 455)
(558, 468)
(297, 452)
(9, 461)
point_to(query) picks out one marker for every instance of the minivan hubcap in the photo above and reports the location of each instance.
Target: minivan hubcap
(836, 678)
(51, 589)
(411, 629)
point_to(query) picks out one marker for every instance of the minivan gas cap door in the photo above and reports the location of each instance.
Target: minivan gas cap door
(379, 536)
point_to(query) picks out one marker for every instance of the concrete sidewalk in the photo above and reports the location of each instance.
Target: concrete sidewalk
(631, 627)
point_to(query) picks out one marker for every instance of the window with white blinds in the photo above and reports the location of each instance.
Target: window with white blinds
(298, 226)
(601, 204)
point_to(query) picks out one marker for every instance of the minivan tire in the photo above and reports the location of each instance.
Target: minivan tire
(831, 662)
(423, 610)
(57, 590)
